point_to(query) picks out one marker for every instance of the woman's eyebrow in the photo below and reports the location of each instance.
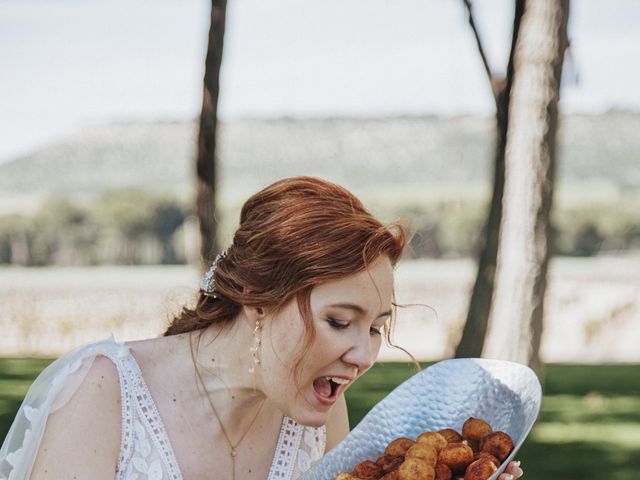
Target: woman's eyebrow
(358, 308)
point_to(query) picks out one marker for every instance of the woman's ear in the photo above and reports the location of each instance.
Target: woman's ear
(254, 313)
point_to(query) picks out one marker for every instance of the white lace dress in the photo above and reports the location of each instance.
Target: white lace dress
(145, 449)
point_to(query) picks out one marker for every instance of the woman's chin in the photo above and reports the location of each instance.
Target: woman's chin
(312, 422)
(307, 411)
(311, 417)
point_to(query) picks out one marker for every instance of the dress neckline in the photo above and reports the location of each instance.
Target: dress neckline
(288, 427)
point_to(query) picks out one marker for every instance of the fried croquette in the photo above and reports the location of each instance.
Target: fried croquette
(391, 476)
(435, 439)
(480, 470)
(428, 453)
(416, 469)
(498, 444)
(451, 435)
(390, 462)
(399, 446)
(479, 455)
(457, 456)
(346, 476)
(475, 429)
(443, 472)
(367, 470)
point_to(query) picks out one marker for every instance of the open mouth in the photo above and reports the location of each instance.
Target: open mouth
(327, 387)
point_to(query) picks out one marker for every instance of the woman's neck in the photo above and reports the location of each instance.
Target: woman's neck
(222, 356)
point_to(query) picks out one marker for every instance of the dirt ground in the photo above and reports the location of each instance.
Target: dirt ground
(592, 310)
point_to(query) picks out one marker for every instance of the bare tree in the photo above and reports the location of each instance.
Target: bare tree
(475, 327)
(515, 326)
(206, 156)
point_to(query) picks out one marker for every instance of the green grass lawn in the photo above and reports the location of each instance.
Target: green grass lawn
(589, 428)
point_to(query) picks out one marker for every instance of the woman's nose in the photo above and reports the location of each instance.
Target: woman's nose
(362, 354)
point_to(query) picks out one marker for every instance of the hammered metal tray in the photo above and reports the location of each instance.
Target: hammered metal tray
(505, 394)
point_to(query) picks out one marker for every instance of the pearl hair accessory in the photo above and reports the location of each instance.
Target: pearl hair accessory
(208, 282)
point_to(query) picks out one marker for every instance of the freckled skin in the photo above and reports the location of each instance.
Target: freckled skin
(350, 351)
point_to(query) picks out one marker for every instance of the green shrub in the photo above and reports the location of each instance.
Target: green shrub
(139, 227)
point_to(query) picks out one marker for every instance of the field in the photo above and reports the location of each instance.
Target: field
(589, 428)
(592, 309)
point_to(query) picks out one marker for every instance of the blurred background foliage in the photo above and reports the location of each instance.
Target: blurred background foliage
(136, 227)
(122, 192)
(122, 227)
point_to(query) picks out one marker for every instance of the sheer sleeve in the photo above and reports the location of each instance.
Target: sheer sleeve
(53, 388)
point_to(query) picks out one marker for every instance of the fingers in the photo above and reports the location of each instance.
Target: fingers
(512, 472)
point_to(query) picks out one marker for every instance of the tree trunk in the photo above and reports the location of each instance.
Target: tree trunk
(206, 156)
(515, 327)
(475, 327)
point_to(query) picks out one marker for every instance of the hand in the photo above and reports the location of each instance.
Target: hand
(512, 472)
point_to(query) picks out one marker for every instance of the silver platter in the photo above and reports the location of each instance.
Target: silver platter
(505, 394)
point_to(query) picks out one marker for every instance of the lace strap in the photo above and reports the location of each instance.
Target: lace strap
(147, 413)
(126, 414)
(288, 444)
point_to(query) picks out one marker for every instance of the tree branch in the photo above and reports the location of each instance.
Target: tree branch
(485, 62)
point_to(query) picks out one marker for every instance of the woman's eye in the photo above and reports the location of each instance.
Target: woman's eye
(336, 324)
(375, 331)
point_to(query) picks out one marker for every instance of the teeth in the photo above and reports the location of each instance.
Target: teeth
(339, 381)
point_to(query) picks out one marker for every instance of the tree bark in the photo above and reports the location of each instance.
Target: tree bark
(475, 327)
(515, 326)
(206, 156)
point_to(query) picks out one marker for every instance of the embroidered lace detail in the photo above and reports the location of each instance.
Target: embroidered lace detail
(141, 427)
(288, 443)
(312, 450)
(297, 449)
(126, 416)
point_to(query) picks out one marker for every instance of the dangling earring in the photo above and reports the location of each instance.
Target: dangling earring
(255, 358)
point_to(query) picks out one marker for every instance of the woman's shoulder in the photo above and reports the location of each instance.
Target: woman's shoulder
(89, 422)
(97, 398)
(162, 357)
(151, 348)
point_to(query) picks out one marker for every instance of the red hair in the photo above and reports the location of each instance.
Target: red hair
(293, 235)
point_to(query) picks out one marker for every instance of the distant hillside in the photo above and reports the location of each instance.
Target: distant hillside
(361, 153)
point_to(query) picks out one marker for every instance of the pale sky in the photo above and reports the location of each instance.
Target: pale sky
(68, 63)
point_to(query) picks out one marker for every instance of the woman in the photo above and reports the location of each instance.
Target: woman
(287, 318)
